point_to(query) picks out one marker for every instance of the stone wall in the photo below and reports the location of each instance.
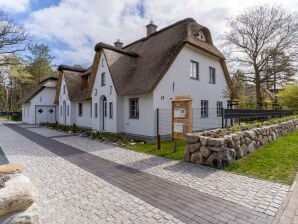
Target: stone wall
(203, 148)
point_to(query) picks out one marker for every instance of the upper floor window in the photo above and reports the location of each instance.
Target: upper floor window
(218, 108)
(103, 79)
(80, 109)
(201, 36)
(194, 70)
(111, 109)
(67, 110)
(64, 89)
(212, 75)
(134, 108)
(204, 108)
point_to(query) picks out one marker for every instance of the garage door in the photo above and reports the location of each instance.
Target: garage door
(45, 114)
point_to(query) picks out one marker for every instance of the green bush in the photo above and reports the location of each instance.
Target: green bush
(16, 117)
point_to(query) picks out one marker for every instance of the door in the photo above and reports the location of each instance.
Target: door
(45, 114)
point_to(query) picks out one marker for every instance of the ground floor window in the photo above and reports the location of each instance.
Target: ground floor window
(95, 110)
(80, 109)
(204, 108)
(60, 110)
(134, 108)
(67, 110)
(105, 108)
(219, 108)
(111, 109)
(91, 109)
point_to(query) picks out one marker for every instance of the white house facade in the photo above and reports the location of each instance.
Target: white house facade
(125, 85)
(38, 105)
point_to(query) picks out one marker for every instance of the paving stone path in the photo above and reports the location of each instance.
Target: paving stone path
(172, 199)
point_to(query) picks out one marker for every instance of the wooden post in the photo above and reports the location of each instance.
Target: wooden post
(174, 146)
(222, 117)
(157, 129)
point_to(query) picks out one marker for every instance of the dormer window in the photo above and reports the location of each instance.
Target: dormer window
(201, 36)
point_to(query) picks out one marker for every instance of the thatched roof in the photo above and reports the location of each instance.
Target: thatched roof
(138, 67)
(49, 82)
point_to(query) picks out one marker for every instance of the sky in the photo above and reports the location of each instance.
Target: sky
(71, 28)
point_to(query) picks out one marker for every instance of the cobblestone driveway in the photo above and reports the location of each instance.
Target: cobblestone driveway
(69, 194)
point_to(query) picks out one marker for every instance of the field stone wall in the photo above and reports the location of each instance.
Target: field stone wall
(221, 151)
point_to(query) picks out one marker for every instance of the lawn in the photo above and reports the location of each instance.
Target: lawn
(165, 151)
(276, 161)
(3, 118)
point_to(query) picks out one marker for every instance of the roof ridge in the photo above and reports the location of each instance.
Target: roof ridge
(102, 45)
(160, 31)
(71, 68)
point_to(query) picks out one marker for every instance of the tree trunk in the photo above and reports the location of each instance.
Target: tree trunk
(258, 88)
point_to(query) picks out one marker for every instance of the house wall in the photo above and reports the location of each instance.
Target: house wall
(108, 91)
(45, 97)
(85, 120)
(179, 74)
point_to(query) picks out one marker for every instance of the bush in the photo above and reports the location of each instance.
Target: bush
(16, 117)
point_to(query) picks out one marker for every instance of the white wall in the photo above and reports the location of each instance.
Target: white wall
(85, 120)
(110, 93)
(201, 89)
(45, 97)
(63, 112)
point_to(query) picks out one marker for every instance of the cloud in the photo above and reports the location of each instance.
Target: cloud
(15, 6)
(79, 25)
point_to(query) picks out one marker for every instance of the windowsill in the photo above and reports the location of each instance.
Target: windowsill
(204, 116)
(111, 117)
(195, 78)
(135, 118)
(212, 83)
(80, 115)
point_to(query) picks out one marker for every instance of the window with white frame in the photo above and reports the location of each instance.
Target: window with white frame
(105, 108)
(67, 110)
(80, 109)
(212, 75)
(218, 108)
(134, 108)
(90, 109)
(95, 110)
(64, 89)
(103, 79)
(111, 109)
(60, 110)
(204, 108)
(194, 70)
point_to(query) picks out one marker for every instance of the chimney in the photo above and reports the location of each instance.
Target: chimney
(151, 28)
(118, 44)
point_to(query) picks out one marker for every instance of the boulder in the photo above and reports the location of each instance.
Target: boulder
(197, 158)
(192, 138)
(235, 137)
(218, 142)
(17, 195)
(237, 144)
(215, 160)
(194, 147)
(228, 156)
(205, 151)
(186, 155)
(29, 216)
(252, 147)
(244, 149)
(203, 140)
(239, 153)
(11, 168)
(228, 140)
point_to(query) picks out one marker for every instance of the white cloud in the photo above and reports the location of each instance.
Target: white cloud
(81, 24)
(15, 5)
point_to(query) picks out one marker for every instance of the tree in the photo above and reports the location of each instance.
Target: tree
(13, 38)
(288, 97)
(255, 34)
(39, 62)
(236, 89)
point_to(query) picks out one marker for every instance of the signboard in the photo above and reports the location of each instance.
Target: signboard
(181, 117)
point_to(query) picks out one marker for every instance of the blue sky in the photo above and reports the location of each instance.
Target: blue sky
(72, 27)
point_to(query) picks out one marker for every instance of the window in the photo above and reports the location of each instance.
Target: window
(111, 89)
(28, 112)
(60, 110)
(204, 108)
(134, 108)
(194, 70)
(173, 86)
(67, 110)
(95, 110)
(103, 79)
(40, 99)
(219, 108)
(80, 109)
(64, 90)
(212, 75)
(111, 109)
(102, 62)
(105, 108)
(90, 109)
(201, 36)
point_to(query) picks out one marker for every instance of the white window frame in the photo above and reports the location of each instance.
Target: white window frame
(219, 106)
(111, 109)
(134, 112)
(212, 75)
(80, 109)
(64, 89)
(67, 108)
(105, 108)
(96, 110)
(204, 108)
(103, 79)
(194, 70)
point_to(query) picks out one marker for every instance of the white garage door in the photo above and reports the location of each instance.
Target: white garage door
(45, 114)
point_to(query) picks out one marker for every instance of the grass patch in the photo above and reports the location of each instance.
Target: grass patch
(3, 118)
(276, 161)
(165, 151)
